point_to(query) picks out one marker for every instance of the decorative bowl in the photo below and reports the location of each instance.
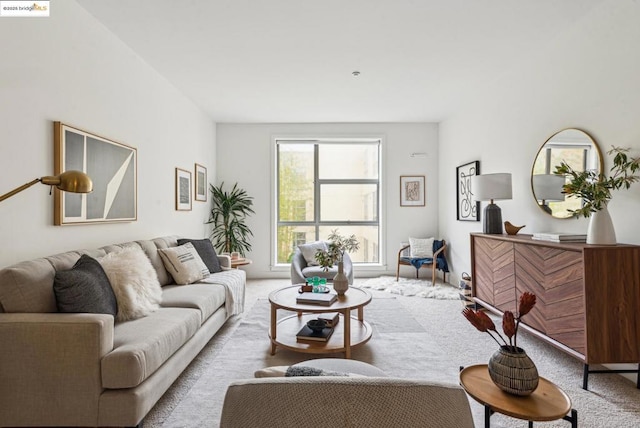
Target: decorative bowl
(316, 325)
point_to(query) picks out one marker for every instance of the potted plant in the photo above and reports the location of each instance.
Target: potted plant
(510, 368)
(594, 187)
(334, 254)
(230, 232)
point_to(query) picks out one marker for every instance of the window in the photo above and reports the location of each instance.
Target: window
(324, 185)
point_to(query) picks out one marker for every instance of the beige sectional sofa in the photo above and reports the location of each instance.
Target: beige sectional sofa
(82, 369)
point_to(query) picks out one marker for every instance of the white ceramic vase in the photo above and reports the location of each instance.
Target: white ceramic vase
(601, 231)
(340, 281)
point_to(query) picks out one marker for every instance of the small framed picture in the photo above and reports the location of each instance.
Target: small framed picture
(201, 183)
(467, 209)
(183, 190)
(412, 193)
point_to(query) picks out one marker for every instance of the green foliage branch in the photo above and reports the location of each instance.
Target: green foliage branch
(228, 215)
(595, 187)
(337, 246)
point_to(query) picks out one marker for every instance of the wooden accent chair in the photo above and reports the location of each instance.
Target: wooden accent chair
(438, 261)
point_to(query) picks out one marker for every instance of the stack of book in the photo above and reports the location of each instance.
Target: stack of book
(330, 319)
(560, 237)
(310, 298)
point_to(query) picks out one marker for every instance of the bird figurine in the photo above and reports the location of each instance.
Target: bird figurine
(511, 229)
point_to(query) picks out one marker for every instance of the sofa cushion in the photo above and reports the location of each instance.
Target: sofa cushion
(141, 346)
(84, 288)
(309, 251)
(134, 281)
(206, 251)
(311, 271)
(184, 264)
(150, 248)
(207, 298)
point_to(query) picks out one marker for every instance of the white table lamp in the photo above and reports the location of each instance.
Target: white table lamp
(546, 188)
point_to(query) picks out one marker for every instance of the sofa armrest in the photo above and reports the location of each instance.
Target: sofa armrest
(51, 367)
(297, 264)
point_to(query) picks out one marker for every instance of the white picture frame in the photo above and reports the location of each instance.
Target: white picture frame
(412, 191)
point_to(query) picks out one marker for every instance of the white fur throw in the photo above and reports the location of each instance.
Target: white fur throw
(134, 282)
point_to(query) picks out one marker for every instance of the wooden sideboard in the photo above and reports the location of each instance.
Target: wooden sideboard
(588, 296)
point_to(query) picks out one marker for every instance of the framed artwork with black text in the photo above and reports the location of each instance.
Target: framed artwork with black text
(467, 208)
(201, 183)
(183, 190)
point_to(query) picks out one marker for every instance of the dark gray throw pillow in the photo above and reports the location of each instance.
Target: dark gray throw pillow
(206, 252)
(84, 288)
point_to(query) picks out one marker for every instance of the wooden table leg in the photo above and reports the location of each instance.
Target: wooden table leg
(361, 313)
(274, 323)
(347, 334)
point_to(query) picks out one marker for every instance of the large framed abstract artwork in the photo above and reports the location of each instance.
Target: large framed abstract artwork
(112, 167)
(412, 193)
(467, 209)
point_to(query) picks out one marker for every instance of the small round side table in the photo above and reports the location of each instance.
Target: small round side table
(547, 403)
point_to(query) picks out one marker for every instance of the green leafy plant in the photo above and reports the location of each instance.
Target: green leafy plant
(228, 215)
(338, 244)
(595, 187)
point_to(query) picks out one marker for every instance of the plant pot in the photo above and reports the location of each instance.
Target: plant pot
(513, 372)
(340, 281)
(601, 231)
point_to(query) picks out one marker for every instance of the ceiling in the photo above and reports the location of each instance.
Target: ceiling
(292, 60)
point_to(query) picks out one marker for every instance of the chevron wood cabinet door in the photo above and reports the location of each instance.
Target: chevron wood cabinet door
(588, 296)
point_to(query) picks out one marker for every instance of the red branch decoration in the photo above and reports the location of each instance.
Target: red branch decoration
(510, 323)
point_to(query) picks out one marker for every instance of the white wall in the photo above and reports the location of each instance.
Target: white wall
(587, 79)
(245, 155)
(69, 68)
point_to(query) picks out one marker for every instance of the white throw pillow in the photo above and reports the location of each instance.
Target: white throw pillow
(134, 282)
(184, 264)
(309, 251)
(421, 248)
(274, 371)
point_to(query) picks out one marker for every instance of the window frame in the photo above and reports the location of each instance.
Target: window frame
(317, 223)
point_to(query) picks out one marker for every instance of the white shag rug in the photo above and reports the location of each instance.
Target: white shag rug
(412, 287)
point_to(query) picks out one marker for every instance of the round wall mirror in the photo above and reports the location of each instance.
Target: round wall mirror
(576, 148)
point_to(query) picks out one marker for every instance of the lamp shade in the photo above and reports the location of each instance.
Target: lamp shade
(70, 181)
(487, 187)
(548, 187)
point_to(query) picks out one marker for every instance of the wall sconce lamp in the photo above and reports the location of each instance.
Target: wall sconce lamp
(490, 187)
(68, 181)
(547, 188)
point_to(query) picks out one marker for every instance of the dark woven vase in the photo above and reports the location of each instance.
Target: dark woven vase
(513, 372)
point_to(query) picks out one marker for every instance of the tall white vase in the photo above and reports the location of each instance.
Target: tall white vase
(601, 231)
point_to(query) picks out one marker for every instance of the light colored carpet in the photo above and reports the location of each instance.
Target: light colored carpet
(412, 338)
(412, 287)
